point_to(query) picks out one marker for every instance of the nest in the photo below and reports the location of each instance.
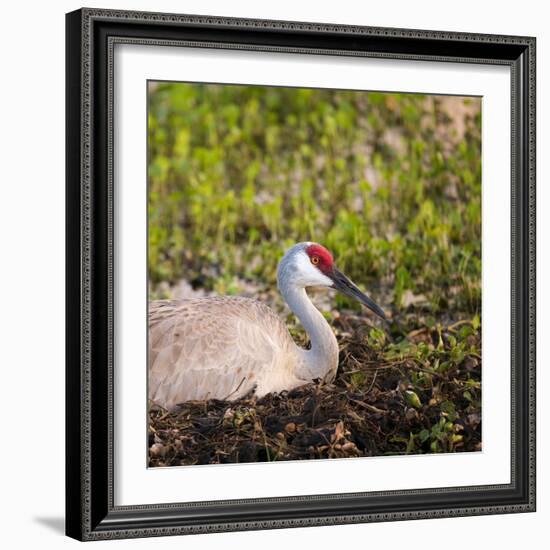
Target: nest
(382, 402)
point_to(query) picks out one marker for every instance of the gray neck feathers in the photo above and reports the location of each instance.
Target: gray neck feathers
(321, 361)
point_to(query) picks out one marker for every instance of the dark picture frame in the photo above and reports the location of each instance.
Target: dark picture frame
(90, 510)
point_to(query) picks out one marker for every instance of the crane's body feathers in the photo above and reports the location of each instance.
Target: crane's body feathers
(218, 347)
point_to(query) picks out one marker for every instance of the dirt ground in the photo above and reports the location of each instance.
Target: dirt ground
(387, 399)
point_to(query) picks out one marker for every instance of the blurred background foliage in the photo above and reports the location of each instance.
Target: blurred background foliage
(390, 183)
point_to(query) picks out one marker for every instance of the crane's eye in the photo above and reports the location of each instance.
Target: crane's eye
(315, 260)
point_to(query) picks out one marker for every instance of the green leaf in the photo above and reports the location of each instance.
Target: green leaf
(424, 435)
(412, 399)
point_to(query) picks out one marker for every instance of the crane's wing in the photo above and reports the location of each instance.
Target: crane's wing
(211, 348)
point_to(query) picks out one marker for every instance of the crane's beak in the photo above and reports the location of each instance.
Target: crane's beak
(345, 286)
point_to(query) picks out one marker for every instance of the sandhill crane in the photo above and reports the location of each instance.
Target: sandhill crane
(224, 347)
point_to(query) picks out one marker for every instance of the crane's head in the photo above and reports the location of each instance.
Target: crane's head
(309, 264)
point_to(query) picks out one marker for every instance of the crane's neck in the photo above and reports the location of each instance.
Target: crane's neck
(321, 361)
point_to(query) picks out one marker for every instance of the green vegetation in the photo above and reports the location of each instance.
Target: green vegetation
(390, 183)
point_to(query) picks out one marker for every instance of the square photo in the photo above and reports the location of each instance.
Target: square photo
(314, 274)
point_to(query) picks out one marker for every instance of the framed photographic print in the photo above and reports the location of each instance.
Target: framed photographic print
(300, 274)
